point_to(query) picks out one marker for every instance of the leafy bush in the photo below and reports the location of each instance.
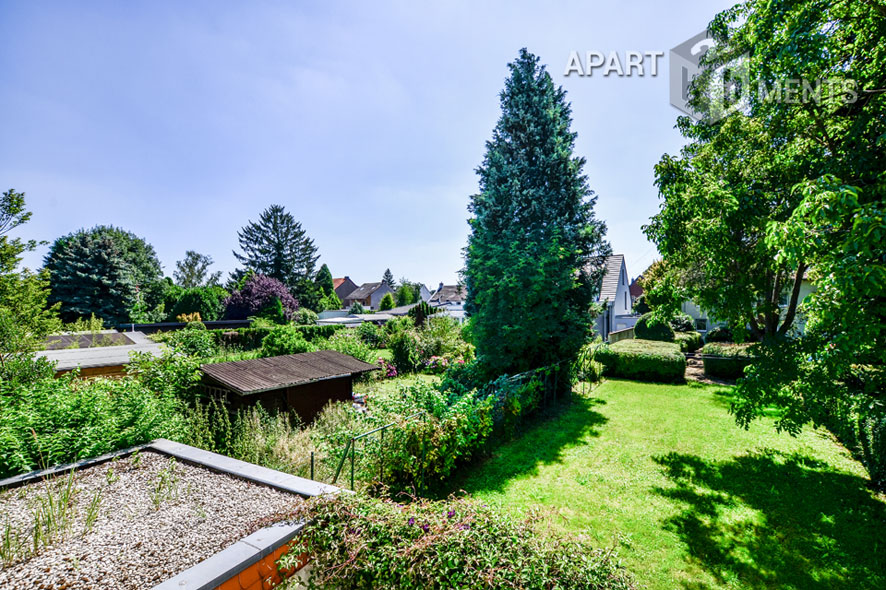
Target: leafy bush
(387, 302)
(688, 341)
(650, 327)
(719, 334)
(305, 317)
(260, 292)
(682, 322)
(860, 424)
(726, 360)
(349, 343)
(405, 349)
(427, 450)
(360, 542)
(356, 308)
(645, 360)
(195, 340)
(251, 338)
(209, 302)
(285, 340)
(369, 334)
(51, 421)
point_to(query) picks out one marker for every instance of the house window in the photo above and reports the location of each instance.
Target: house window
(626, 301)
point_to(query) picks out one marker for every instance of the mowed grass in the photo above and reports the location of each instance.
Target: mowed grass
(690, 500)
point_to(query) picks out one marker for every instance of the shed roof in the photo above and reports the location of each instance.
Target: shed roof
(278, 372)
(609, 285)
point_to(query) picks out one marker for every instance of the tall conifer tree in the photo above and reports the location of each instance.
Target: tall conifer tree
(536, 251)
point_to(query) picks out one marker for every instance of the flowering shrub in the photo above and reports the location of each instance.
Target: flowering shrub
(437, 365)
(388, 370)
(259, 293)
(360, 542)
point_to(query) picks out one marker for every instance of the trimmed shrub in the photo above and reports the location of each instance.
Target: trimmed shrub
(387, 302)
(688, 341)
(726, 360)
(284, 340)
(682, 322)
(644, 360)
(356, 541)
(649, 327)
(719, 334)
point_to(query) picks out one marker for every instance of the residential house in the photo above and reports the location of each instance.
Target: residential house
(449, 297)
(635, 289)
(423, 292)
(368, 295)
(344, 287)
(615, 296)
(704, 322)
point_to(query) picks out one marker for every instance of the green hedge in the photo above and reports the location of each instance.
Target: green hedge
(645, 360)
(860, 424)
(688, 341)
(649, 327)
(726, 360)
(251, 338)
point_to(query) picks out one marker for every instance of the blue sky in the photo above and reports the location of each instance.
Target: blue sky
(180, 121)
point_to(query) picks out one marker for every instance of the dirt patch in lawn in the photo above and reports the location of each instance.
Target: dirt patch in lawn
(127, 524)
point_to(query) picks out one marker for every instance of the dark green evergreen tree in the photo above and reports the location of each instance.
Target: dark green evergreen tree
(324, 280)
(535, 253)
(278, 247)
(388, 279)
(104, 271)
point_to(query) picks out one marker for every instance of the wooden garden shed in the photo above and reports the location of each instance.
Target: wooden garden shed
(303, 382)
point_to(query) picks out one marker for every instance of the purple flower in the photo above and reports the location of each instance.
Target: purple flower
(450, 514)
(425, 528)
(411, 521)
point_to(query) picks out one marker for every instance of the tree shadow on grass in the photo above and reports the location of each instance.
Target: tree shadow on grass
(815, 528)
(540, 441)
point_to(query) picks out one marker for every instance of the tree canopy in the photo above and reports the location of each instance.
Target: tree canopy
(26, 318)
(535, 252)
(193, 271)
(105, 271)
(791, 186)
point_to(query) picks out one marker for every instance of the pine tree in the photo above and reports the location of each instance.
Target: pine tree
(535, 253)
(388, 279)
(324, 280)
(278, 247)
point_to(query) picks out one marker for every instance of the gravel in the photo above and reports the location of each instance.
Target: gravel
(156, 518)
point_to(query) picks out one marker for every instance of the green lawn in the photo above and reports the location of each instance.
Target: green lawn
(690, 500)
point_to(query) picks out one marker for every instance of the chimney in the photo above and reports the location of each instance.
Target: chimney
(440, 288)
